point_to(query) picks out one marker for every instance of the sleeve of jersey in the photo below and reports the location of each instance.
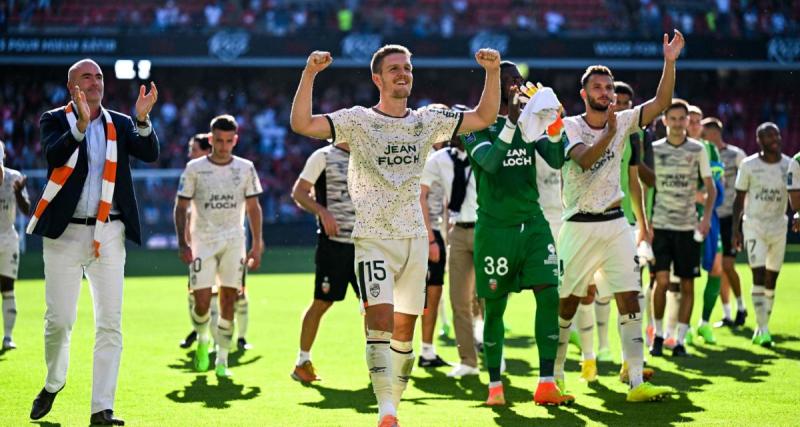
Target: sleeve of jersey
(445, 124)
(793, 179)
(314, 167)
(704, 164)
(429, 175)
(186, 184)
(486, 152)
(254, 184)
(552, 152)
(743, 178)
(573, 137)
(342, 123)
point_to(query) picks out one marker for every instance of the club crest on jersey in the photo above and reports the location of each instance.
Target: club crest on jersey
(235, 176)
(374, 290)
(469, 138)
(552, 258)
(418, 128)
(492, 285)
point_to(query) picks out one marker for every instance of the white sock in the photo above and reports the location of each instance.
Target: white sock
(584, 320)
(302, 357)
(630, 332)
(740, 304)
(659, 326)
(760, 307)
(242, 316)
(683, 328)
(493, 384)
(428, 351)
(602, 312)
(769, 298)
(648, 309)
(726, 311)
(9, 313)
(402, 363)
(563, 342)
(224, 338)
(379, 364)
(477, 329)
(200, 323)
(190, 300)
(547, 380)
(671, 315)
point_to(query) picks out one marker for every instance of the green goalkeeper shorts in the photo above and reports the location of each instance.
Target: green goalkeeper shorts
(509, 259)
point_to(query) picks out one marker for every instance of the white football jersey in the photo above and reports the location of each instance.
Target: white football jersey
(548, 180)
(598, 188)
(767, 186)
(731, 156)
(218, 194)
(387, 155)
(8, 206)
(677, 168)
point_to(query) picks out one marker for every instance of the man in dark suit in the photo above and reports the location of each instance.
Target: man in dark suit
(87, 210)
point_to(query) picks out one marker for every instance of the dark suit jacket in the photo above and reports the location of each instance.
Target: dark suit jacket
(58, 144)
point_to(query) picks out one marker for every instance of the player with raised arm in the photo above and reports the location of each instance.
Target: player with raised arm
(514, 247)
(388, 144)
(595, 235)
(13, 195)
(220, 188)
(763, 184)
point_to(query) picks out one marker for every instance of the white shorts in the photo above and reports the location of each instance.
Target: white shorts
(217, 263)
(599, 278)
(607, 247)
(764, 249)
(9, 259)
(392, 272)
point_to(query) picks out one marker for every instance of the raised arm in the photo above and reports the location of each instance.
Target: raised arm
(486, 112)
(585, 155)
(672, 49)
(301, 119)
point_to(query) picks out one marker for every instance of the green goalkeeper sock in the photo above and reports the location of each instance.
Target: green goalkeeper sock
(494, 335)
(710, 296)
(546, 329)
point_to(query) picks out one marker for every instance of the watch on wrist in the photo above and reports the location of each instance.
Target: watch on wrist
(145, 123)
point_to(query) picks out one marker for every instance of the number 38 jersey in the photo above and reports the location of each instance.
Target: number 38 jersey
(218, 194)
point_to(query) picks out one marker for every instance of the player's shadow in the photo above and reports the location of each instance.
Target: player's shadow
(520, 341)
(361, 401)
(716, 361)
(186, 364)
(213, 396)
(446, 341)
(467, 388)
(46, 424)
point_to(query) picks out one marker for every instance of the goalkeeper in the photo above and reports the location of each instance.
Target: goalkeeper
(514, 249)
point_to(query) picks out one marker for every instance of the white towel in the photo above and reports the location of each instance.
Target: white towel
(539, 112)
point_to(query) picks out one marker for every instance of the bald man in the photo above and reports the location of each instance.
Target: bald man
(87, 210)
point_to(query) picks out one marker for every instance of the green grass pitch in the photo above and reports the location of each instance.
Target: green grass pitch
(725, 384)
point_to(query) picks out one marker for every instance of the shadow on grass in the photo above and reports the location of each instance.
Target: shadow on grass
(714, 361)
(46, 423)
(468, 388)
(361, 401)
(213, 396)
(234, 359)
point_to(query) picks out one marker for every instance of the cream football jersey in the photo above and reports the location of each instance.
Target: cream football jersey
(387, 156)
(767, 186)
(598, 188)
(218, 194)
(8, 206)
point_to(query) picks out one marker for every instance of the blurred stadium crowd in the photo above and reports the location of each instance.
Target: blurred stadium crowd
(450, 18)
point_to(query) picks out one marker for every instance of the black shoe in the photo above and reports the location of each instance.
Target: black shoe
(436, 362)
(658, 347)
(243, 344)
(43, 403)
(479, 348)
(189, 340)
(725, 322)
(679, 351)
(105, 418)
(740, 316)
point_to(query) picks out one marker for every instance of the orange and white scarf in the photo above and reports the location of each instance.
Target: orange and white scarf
(60, 175)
